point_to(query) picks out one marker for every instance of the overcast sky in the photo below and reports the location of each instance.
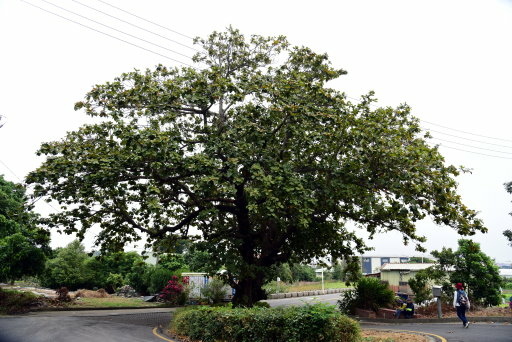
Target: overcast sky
(449, 60)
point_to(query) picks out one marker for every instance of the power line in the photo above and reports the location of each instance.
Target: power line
(106, 34)
(468, 139)
(146, 20)
(112, 28)
(453, 129)
(480, 148)
(461, 131)
(482, 154)
(137, 26)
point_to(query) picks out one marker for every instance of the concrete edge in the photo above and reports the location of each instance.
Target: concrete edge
(306, 293)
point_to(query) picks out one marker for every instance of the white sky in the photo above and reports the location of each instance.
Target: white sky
(449, 60)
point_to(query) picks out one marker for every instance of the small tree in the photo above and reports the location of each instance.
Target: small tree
(473, 268)
(68, 268)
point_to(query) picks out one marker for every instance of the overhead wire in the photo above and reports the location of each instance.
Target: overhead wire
(459, 137)
(114, 29)
(107, 34)
(146, 20)
(137, 26)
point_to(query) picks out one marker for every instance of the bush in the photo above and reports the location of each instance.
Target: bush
(348, 302)
(63, 294)
(262, 305)
(176, 291)
(15, 302)
(157, 278)
(275, 287)
(308, 323)
(369, 294)
(214, 291)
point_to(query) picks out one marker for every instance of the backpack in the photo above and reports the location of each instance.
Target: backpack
(462, 298)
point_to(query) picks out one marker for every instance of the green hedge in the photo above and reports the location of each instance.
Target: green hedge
(310, 323)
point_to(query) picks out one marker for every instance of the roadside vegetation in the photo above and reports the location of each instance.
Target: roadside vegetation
(316, 322)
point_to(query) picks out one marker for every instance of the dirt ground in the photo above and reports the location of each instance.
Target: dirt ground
(449, 311)
(388, 336)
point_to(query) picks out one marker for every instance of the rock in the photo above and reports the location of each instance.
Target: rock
(149, 298)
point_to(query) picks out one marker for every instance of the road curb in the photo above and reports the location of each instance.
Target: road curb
(500, 319)
(430, 337)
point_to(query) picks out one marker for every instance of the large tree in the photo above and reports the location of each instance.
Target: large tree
(23, 245)
(253, 154)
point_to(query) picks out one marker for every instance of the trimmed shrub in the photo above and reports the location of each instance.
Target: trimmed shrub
(214, 291)
(369, 294)
(310, 323)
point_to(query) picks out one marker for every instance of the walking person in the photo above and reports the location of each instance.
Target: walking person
(461, 303)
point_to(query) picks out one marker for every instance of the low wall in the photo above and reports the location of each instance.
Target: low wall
(305, 293)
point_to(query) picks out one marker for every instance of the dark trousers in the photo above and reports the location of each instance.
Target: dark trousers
(461, 312)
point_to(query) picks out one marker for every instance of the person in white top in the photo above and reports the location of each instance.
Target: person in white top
(461, 303)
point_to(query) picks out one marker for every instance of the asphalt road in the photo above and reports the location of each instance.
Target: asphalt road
(137, 325)
(99, 326)
(454, 332)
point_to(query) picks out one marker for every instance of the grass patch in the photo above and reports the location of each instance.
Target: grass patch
(113, 302)
(312, 286)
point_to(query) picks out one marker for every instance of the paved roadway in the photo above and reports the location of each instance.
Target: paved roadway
(85, 326)
(454, 332)
(137, 325)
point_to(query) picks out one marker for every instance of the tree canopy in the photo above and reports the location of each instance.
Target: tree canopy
(252, 154)
(23, 245)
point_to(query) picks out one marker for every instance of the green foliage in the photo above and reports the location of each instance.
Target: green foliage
(262, 305)
(473, 268)
(283, 272)
(157, 278)
(421, 260)
(138, 277)
(507, 283)
(310, 323)
(197, 260)
(23, 245)
(114, 281)
(348, 302)
(274, 287)
(256, 152)
(303, 273)
(15, 302)
(214, 291)
(337, 272)
(352, 272)
(369, 294)
(68, 268)
(421, 283)
(172, 262)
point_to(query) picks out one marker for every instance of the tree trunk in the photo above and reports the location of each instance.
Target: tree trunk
(248, 291)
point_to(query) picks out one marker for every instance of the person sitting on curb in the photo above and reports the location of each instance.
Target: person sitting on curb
(409, 309)
(400, 307)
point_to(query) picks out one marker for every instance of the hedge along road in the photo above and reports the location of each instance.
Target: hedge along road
(85, 326)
